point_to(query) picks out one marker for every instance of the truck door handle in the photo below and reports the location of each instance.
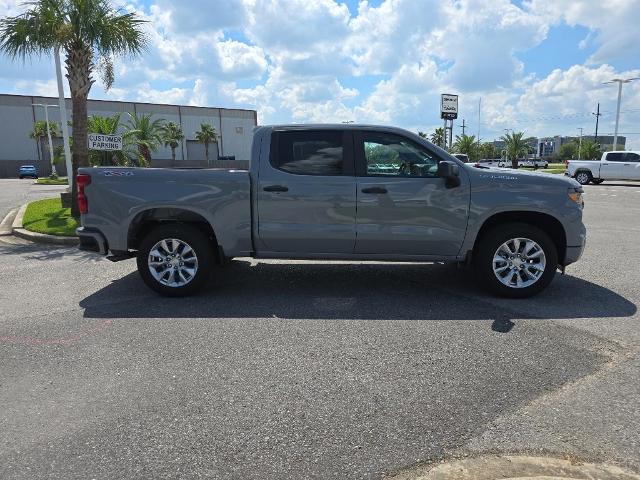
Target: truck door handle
(627, 164)
(374, 190)
(275, 188)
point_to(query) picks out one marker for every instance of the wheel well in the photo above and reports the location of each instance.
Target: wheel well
(548, 224)
(149, 219)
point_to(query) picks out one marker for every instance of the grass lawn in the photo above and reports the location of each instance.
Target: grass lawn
(48, 216)
(51, 181)
(556, 168)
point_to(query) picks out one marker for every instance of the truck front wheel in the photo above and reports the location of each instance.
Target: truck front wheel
(175, 260)
(515, 260)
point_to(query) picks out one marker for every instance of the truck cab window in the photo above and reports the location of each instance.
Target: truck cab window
(309, 152)
(391, 155)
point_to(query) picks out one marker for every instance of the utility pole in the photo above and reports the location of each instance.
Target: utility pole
(580, 144)
(597, 115)
(46, 116)
(463, 127)
(619, 81)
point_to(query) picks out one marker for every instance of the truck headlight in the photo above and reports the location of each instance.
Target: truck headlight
(575, 194)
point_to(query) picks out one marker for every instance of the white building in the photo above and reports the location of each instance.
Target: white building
(234, 128)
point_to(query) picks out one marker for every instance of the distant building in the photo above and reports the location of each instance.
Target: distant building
(549, 146)
(234, 127)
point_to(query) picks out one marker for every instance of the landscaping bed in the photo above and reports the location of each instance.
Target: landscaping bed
(48, 216)
(52, 181)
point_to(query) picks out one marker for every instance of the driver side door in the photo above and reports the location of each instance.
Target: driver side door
(403, 207)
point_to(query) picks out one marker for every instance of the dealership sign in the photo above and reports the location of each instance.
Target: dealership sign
(448, 106)
(97, 141)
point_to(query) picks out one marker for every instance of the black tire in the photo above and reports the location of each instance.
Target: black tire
(488, 245)
(597, 181)
(202, 246)
(583, 177)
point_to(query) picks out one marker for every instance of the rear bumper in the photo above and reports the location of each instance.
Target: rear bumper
(91, 240)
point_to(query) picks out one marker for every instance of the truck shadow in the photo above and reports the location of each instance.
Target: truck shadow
(310, 290)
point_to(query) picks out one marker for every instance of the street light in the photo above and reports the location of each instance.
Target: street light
(46, 116)
(619, 81)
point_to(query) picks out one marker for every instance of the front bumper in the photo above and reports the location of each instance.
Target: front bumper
(92, 240)
(573, 253)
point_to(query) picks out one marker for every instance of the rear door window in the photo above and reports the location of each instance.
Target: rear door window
(310, 152)
(632, 157)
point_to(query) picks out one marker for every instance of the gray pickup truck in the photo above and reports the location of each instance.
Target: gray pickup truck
(347, 192)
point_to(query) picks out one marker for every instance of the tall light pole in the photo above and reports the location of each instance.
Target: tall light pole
(46, 117)
(63, 118)
(580, 144)
(619, 81)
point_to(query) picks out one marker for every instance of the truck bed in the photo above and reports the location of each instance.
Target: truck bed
(119, 196)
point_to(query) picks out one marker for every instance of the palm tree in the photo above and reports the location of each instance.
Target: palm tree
(590, 150)
(466, 144)
(438, 137)
(109, 126)
(85, 30)
(516, 146)
(172, 136)
(488, 150)
(145, 134)
(39, 133)
(207, 135)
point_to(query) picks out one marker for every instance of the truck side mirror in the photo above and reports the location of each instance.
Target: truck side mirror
(450, 171)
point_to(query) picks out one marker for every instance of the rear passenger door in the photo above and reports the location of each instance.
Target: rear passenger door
(306, 198)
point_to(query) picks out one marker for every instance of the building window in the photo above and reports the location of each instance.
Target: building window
(240, 130)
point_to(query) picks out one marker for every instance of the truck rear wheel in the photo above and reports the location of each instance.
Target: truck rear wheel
(583, 177)
(515, 260)
(175, 260)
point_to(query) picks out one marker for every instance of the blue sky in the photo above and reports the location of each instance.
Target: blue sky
(537, 65)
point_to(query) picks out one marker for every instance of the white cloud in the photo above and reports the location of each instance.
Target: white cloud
(614, 24)
(240, 60)
(300, 60)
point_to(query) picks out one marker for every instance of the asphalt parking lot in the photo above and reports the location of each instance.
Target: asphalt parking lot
(327, 370)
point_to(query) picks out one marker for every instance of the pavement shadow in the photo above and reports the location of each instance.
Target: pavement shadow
(46, 252)
(310, 290)
(617, 184)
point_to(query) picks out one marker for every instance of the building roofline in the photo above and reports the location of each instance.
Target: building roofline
(132, 101)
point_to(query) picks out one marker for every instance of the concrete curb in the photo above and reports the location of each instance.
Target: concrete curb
(512, 467)
(6, 226)
(19, 231)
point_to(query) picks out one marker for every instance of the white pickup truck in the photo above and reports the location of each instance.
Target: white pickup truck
(616, 165)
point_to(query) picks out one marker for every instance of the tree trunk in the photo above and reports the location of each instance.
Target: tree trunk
(173, 155)
(206, 152)
(514, 162)
(79, 67)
